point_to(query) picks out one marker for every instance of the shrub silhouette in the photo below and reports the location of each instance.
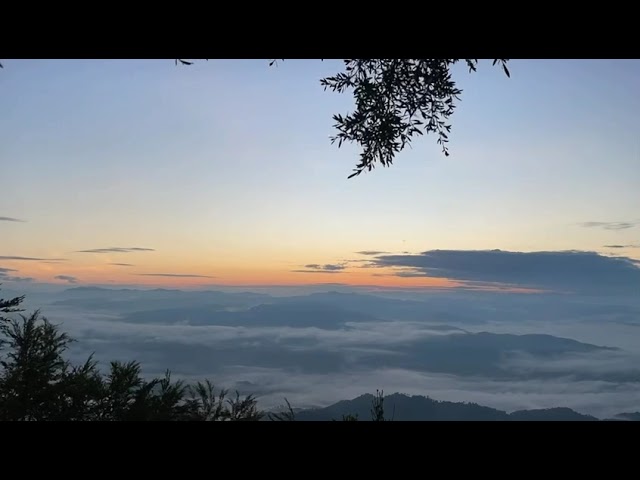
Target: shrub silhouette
(37, 383)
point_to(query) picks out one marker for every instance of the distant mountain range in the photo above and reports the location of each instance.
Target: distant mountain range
(449, 307)
(131, 300)
(400, 407)
(374, 337)
(437, 309)
(265, 315)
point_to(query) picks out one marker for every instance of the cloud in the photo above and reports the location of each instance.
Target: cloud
(5, 277)
(316, 365)
(622, 246)
(10, 219)
(609, 225)
(17, 279)
(338, 365)
(123, 264)
(178, 275)
(31, 259)
(117, 250)
(559, 270)
(604, 363)
(361, 263)
(66, 278)
(370, 252)
(326, 268)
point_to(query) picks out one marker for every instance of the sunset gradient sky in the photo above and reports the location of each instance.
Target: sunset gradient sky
(224, 168)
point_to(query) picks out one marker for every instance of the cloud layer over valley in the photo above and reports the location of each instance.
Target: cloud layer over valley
(503, 350)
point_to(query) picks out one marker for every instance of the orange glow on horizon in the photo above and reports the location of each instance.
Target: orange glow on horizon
(106, 274)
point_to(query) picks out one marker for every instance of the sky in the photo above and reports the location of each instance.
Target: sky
(222, 172)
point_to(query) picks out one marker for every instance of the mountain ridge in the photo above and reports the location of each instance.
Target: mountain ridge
(404, 407)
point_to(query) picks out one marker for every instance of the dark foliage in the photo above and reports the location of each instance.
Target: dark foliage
(37, 383)
(286, 416)
(11, 305)
(396, 99)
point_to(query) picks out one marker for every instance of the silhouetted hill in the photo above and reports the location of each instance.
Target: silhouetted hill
(489, 355)
(434, 309)
(402, 407)
(132, 300)
(632, 416)
(550, 414)
(534, 344)
(266, 315)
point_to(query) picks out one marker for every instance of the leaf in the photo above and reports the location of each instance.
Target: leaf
(506, 70)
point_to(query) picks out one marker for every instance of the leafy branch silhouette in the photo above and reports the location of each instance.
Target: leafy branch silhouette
(395, 101)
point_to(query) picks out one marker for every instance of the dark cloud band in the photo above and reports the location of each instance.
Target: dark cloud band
(609, 225)
(117, 250)
(326, 268)
(31, 259)
(565, 270)
(176, 275)
(66, 278)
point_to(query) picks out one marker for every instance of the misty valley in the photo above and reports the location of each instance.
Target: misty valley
(441, 355)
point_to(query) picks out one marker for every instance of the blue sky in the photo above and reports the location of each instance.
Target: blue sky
(225, 169)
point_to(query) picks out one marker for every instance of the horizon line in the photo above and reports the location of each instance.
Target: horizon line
(421, 288)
